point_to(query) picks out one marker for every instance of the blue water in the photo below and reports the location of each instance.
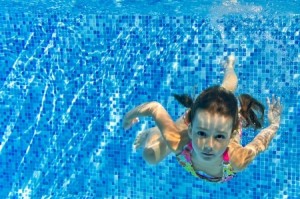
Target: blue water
(70, 70)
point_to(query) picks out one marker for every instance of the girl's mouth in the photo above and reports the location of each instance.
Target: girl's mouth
(208, 154)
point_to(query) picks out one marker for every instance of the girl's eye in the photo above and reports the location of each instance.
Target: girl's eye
(220, 137)
(201, 133)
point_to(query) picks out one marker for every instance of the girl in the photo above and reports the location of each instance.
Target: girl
(206, 139)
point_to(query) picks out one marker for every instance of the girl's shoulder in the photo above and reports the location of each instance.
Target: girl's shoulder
(183, 144)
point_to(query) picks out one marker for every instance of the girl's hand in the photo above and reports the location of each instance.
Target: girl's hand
(127, 123)
(275, 110)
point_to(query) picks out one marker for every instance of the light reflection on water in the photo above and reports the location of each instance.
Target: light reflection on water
(154, 7)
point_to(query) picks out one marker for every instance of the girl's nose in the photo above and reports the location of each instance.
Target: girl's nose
(208, 144)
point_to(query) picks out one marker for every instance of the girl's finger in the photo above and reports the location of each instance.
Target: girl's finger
(278, 101)
(268, 101)
(273, 99)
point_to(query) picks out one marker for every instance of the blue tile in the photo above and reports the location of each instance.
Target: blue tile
(66, 82)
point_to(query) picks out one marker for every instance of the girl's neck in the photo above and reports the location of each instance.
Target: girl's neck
(209, 167)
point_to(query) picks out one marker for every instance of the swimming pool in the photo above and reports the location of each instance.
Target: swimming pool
(70, 71)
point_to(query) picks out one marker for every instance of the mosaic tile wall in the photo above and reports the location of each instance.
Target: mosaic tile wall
(66, 81)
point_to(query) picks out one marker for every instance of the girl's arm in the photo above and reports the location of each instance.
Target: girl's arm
(169, 131)
(241, 156)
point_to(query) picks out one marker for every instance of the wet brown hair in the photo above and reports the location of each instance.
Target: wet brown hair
(215, 99)
(252, 110)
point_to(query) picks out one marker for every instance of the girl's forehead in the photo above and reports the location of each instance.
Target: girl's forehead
(205, 113)
(206, 119)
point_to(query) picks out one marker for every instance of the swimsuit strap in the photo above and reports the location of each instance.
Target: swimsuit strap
(184, 158)
(228, 171)
(226, 156)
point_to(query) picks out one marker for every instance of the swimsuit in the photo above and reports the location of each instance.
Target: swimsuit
(184, 158)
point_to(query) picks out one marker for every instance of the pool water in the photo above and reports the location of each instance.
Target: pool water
(71, 70)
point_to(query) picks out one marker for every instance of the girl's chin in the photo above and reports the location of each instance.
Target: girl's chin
(210, 157)
(207, 157)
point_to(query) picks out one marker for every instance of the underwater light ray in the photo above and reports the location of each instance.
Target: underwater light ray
(37, 120)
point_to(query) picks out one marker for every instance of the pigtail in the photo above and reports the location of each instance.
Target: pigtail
(252, 111)
(184, 99)
(187, 102)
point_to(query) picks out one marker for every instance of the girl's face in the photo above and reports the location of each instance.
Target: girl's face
(210, 135)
